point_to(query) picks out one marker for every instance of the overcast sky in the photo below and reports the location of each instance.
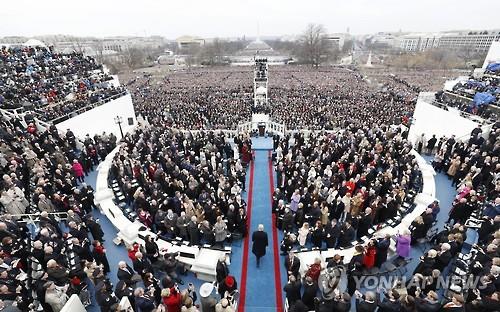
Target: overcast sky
(235, 18)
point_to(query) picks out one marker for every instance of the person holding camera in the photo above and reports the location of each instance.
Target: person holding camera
(105, 296)
(55, 296)
(367, 302)
(171, 298)
(144, 301)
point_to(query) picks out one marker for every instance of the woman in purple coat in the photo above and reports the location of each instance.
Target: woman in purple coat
(403, 244)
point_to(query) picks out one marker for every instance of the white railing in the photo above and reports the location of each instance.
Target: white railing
(227, 133)
(14, 114)
(245, 127)
(270, 126)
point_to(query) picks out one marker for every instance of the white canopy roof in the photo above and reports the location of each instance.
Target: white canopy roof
(34, 43)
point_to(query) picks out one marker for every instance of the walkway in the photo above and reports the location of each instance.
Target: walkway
(261, 287)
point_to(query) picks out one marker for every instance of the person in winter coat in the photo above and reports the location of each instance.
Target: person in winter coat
(369, 255)
(57, 273)
(292, 290)
(95, 229)
(310, 291)
(223, 306)
(143, 302)
(45, 204)
(221, 269)
(382, 246)
(208, 302)
(428, 304)
(99, 254)
(14, 201)
(364, 224)
(220, 230)
(295, 199)
(455, 305)
(454, 165)
(303, 233)
(403, 244)
(228, 288)
(171, 298)
(193, 231)
(260, 243)
(55, 297)
(78, 170)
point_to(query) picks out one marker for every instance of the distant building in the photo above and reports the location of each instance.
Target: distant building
(259, 49)
(478, 41)
(186, 42)
(13, 40)
(419, 42)
(337, 40)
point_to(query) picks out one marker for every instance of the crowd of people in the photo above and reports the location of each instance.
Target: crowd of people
(419, 80)
(43, 175)
(196, 99)
(334, 98)
(53, 84)
(338, 186)
(463, 96)
(332, 190)
(300, 97)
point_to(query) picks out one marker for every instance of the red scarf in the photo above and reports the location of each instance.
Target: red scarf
(99, 249)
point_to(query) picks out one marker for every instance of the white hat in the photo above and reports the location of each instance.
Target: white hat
(206, 289)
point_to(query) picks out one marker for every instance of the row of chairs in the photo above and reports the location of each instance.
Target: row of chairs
(121, 200)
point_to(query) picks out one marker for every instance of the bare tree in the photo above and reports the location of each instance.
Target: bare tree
(347, 47)
(98, 47)
(133, 57)
(467, 54)
(78, 45)
(314, 48)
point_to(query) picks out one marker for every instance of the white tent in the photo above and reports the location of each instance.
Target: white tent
(34, 43)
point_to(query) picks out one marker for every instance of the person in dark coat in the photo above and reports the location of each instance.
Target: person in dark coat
(310, 291)
(332, 233)
(125, 272)
(364, 224)
(260, 242)
(342, 303)
(346, 235)
(142, 265)
(299, 306)
(292, 290)
(287, 223)
(292, 265)
(382, 245)
(367, 302)
(124, 290)
(428, 304)
(95, 229)
(99, 254)
(391, 302)
(430, 144)
(143, 302)
(221, 270)
(193, 231)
